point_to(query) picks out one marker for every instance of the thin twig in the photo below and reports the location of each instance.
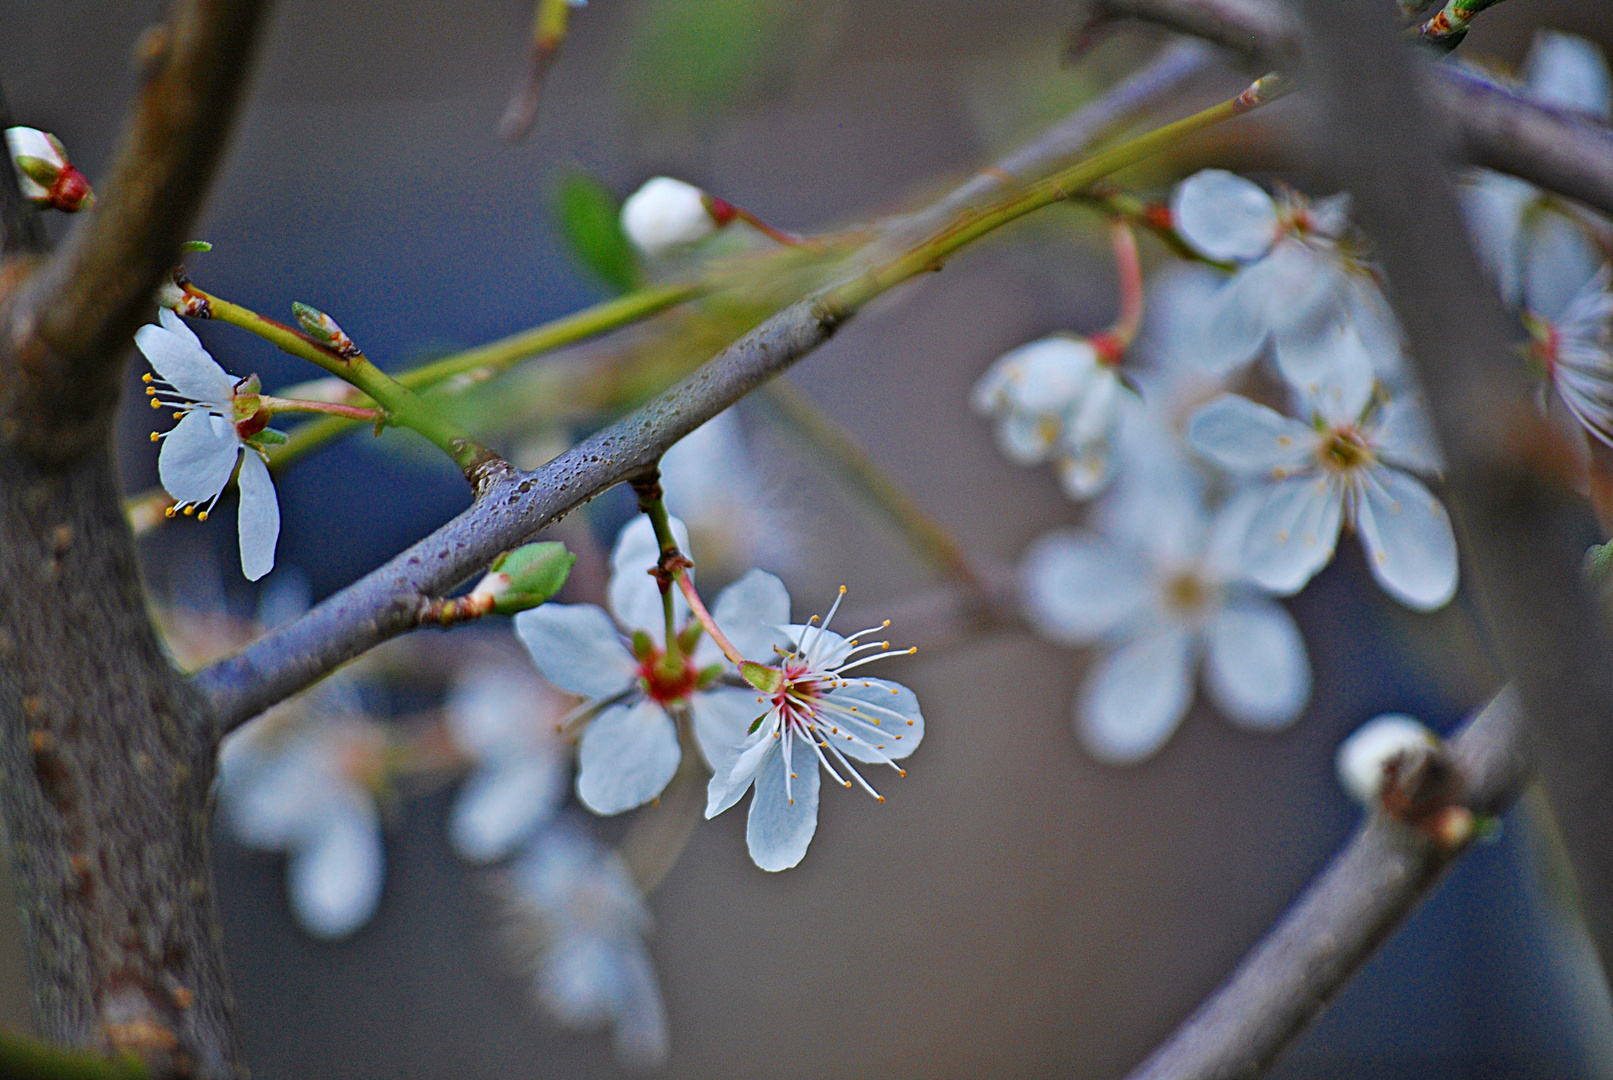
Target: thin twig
(1339, 921)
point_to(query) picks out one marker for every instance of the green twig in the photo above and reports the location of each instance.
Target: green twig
(22, 1058)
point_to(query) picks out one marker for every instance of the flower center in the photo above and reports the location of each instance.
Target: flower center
(1344, 449)
(664, 685)
(1186, 594)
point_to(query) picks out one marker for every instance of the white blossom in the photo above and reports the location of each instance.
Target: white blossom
(1057, 399)
(812, 716)
(44, 175)
(588, 925)
(200, 453)
(1362, 758)
(1301, 282)
(504, 719)
(629, 750)
(665, 213)
(1352, 463)
(301, 779)
(1575, 354)
(1160, 586)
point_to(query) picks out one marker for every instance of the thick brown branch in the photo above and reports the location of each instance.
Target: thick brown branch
(70, 324)
(1523, 529)
(1486, 125)
(1344, 915)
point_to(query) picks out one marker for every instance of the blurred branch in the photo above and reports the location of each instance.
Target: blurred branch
(549, 18)
(1523, 528)
(1486, 125)
(1341, 919)
(512, 506)
(20, 230)
(72, 319)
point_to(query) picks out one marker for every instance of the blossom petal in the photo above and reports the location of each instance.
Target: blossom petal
(1250, 439)
(783, 818)
(1025, 438)
(1255, 664)
(1293, 535)
(1237, 325)
(1136, 696)
(257, 521)
(335, 879)
(1078, 587)
(1050, 375)
(198, 457)
(634, 595)
(1223, 216)
(577, 648)
(722, 723)
(177, 356)
(627, 757)
(580, 981)
(641, 1039)
(497, 808)
(1410, 546)
(883, 714)
(1569, 72)
(1085, 472)
(750, 611)
(1493, 207)
(1558, 259)
(728, 784)
(1405, 437)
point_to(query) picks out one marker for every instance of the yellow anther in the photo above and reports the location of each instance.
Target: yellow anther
(842, 590)
(151, 391)
(155, 404)
(879, 798)
(169, 512)
(903, 772)
(146, 377)
(189, 510)
(202, 516)
(155, 437)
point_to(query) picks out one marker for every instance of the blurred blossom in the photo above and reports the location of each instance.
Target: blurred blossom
(713, 484)
(504, 718)
(576, 910)
(219, 418)
(1575, 353)
(1362, 757)
(1353, 462)
(665, 213)
(811, 716)
(1302, 282)
(303, 779)
(629, 750)
(1160, 585)
(1059, 399)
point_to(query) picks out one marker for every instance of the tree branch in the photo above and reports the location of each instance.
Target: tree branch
(1524, 530)
(1487, 125)
(71, 322)
(1338, 923)
(516, 505)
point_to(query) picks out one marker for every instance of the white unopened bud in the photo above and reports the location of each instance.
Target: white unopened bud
(44, 174)
(666, 213)
(1363, 756)
(170, 296)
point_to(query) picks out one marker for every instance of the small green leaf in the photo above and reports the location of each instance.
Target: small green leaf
(590, 220)
(768, 680)
(196, 245)
(268, 437)
(688, 638)
(527, 576)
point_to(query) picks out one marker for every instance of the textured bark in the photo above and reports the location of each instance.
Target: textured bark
(104, 784)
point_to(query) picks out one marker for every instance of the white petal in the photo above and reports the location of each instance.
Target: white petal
(1223, 216)
(1569, 72)
(1025, 438)
(1237, 325)
(198, 456)
(1361, 758)
(666, 213)
(781, 824)
(634, 595)
(1338, 376)
(336, 877)
(1250, 439)
(1410, 546)
(722, 723)
(627, 757)
(1086, 472)
(750, 611)
(1493, 206)
(257, 522)
(497, 808)
(1050, 375)
(1180, 301)
(179, 360)
(1255, 664)
(1096, 411)
(1136, 696)
(887, 717)
(1368, 310)
(1558, 259)
(1078, 587)
(642, 1039)
(577, 648)
(1403, 436)
(1229, 531)
(1293, 535)
(738, 771)
(580, 981)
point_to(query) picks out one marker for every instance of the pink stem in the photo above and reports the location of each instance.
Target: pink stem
(700, 613)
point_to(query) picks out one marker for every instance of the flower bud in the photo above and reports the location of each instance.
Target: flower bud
(323, 329)
(525, 577)
(667, 213)
(45, 175)
(1363, 757)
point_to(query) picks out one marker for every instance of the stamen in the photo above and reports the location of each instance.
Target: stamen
(835, 750)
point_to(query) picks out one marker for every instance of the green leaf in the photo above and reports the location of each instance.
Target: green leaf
(268, 437)
(196, 245)
(590, 220)
(535, 572)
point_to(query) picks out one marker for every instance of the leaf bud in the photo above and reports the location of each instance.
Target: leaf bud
(525, 577)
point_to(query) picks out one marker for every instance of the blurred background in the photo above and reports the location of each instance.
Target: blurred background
(1013, 908)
